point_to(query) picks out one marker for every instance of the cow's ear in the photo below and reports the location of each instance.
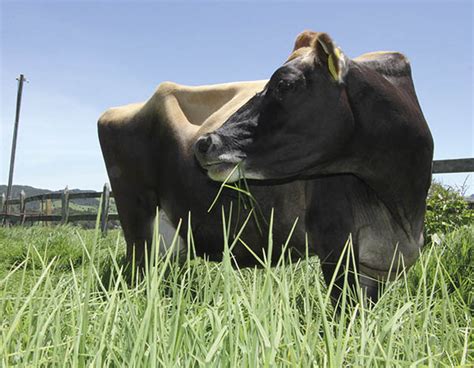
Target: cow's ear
(305, 39)
(303, 43)
(328, 54)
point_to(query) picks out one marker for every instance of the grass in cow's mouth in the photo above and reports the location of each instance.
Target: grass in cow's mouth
(221, 188)
(245, 199)
(56, 310)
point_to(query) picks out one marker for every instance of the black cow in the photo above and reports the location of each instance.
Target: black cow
(353, 128)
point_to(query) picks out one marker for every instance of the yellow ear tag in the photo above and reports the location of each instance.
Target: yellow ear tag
(332, 67)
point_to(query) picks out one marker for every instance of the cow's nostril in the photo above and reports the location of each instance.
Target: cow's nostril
(204, 144)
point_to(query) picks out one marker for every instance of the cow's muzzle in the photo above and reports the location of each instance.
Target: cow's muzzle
(206, 149)
(217, 157)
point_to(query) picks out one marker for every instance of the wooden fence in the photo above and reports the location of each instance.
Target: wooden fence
(65, 217)
(439, 167)
(460, 165)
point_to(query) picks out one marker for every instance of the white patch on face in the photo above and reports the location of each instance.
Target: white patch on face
(230, 157)
(221, 173)
(250, 174)
(254, 175)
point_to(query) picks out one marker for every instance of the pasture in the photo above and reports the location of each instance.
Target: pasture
(64, 301)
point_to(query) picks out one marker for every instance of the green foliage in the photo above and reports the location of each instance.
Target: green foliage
(32, 247)
(454, 254)
(206, 314)
(446, 210)
(38, 244)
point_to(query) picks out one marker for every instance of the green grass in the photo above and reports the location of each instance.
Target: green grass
(65, 302)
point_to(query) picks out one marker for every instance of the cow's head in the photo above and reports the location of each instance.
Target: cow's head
(300, 121)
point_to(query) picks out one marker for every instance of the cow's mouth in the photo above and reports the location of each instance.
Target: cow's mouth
(231, 172)
(223, 171)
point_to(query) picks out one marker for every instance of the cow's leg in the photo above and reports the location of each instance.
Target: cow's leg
(127, 145)
(370, 287)
(330, 222)
(330, 271)
(137, 211)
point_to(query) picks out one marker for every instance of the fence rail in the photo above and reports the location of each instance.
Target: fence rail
(55, 195)
(453, 166)
(65, 217)
(439, 167)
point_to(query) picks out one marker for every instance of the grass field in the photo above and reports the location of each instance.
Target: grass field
(64, 302)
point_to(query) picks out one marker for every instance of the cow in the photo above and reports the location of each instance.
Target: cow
(353, 130)
(147, 148)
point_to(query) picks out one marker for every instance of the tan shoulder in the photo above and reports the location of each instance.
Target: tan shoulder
(119, 115)
(166, 88)
(171, 88)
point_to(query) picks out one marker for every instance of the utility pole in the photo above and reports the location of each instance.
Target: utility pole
(20, 80)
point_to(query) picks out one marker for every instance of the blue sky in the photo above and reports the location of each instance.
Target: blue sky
(82, 57)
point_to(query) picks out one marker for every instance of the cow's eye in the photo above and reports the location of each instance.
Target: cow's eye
(284, 87)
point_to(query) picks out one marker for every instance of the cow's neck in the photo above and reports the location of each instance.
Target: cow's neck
(390, 152)
(340, 205)
(181, 184)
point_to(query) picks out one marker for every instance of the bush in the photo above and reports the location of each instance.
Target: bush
(446, 210)
(454, 254)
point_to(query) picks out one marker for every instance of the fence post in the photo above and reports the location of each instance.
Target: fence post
(48, 211)
(2, 207)
(65, 206)
(104, 212)
(22, 207)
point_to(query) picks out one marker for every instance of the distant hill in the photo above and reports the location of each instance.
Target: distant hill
(29, 191)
